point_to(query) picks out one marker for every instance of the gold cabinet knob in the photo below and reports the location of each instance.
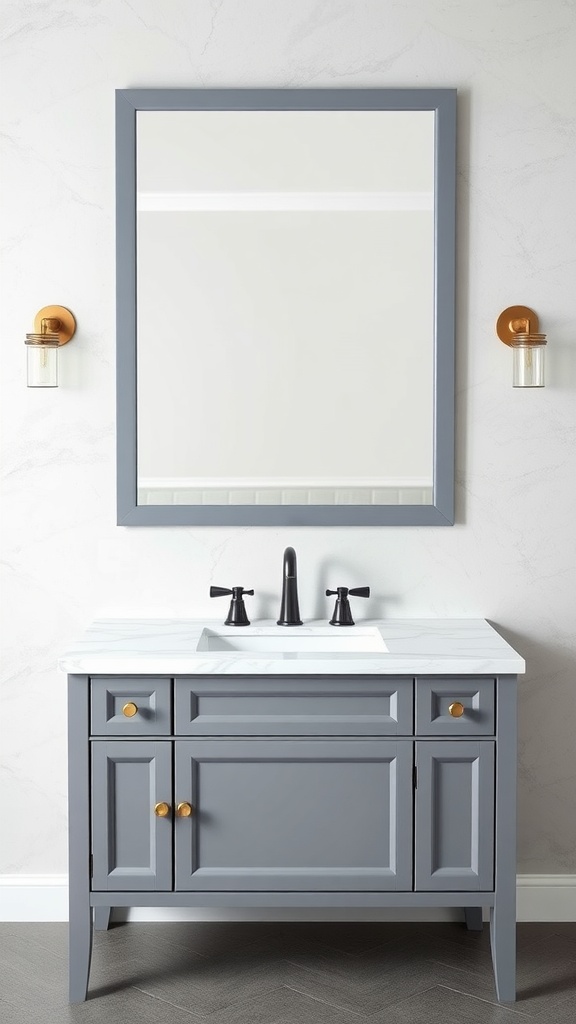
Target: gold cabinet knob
(130, 709)
(456, 709)
(162, 810)
(184, 810)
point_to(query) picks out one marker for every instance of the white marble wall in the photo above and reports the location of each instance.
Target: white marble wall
(510, 559)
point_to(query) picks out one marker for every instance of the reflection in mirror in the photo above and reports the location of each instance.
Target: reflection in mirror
(285, 313)
(287, 355)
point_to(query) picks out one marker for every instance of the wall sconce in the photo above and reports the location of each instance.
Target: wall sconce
(53, 326)
(518, 326)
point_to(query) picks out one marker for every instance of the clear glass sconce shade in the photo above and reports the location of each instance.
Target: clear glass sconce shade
(42, 360)
(528, 360)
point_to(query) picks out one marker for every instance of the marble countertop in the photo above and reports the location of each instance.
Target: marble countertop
(171, 647)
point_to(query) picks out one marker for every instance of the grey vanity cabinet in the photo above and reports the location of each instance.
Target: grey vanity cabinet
(311, 792)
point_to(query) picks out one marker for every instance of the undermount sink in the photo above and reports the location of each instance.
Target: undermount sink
(319, 641)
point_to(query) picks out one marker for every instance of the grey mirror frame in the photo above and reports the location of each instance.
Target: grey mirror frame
(443, 103)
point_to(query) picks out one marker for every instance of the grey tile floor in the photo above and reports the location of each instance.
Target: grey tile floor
(287, 974)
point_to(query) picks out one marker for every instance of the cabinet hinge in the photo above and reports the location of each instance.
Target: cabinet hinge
(415, 777)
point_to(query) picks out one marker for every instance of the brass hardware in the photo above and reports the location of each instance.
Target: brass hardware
(184, 810)
(55, 320)
(162, 810)
(518, 321)
(130, 709)
(456, 709)
(47, 338)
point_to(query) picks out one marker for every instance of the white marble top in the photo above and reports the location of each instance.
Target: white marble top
(170, 647)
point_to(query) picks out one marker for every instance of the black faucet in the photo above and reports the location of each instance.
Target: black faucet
(289, 611)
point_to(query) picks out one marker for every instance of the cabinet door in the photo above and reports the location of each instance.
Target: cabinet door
(454, 816)
(294, 814)
(132, 846)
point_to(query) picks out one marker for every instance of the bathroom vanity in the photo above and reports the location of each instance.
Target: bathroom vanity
(307, 767)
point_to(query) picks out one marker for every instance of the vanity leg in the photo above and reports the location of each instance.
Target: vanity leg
(80, 911)
(473, 918)
(503, 944)
(503, 913)
(102, 918)
(80, 951)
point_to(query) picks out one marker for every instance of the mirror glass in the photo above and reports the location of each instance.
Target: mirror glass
(285, 306)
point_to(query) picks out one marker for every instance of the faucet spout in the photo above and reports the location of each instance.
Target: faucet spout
(289, 611)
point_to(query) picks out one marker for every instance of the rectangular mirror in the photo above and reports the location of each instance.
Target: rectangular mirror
(285, 269)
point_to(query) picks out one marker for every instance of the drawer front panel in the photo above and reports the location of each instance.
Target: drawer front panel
(360, 706)
(293, 814)
(455, 707)
(130, 707)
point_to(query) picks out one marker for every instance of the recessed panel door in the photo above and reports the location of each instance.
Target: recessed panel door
(132, 819)
(454, 848)
(294, 814)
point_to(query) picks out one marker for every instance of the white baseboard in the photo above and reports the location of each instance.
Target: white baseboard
(33, 897)
(546, 897)
(45, 898)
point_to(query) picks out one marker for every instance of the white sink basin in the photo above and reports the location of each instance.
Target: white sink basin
(293, 640)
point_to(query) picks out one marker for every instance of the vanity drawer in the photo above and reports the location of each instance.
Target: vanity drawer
(454, 706)
(286, 706)
(127, 706)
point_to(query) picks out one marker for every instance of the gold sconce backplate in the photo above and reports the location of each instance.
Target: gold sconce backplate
(64, 327)
(516, 320)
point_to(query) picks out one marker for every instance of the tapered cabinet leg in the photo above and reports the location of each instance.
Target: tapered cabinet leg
(80, 911)
(80, 950)
(503, 913)
(102, 918)
(503, 944)
(473, 918)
